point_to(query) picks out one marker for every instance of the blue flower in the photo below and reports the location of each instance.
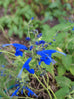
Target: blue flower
(18, 48)
(39, 35)
(41, 42)
(37, 43)
(3, 66)
(27, 67)
(22, 91)
(73, 29)
(50, 43)
(32, 18)
(31, 47)
(53, 39)
(19, 53)
(46, 56)
(15, 92)
(46, 45)
(30, 92)
(28, 38)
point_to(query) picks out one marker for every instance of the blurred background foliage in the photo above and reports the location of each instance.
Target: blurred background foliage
(16, 13)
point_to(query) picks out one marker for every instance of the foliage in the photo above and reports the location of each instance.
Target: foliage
(64, 63)
(60, 38)
(17, 14)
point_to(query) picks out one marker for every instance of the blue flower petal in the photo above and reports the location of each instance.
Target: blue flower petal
(31, 71)
(41, 42)
(30, 92)
(53, 39)
(31, 47)
(37, 43)
(4, 45)
(39, 35)
(50, 43)
(61, 53)
(22, 91)
(27, 67)
(19, 75)
(27, 38)
(19, 46)
(73, 29)
(15, 92)
(46, 56)
(19, 53)
(3, 66)
(32, 18)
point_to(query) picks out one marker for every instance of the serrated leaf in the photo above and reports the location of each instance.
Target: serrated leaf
(10, 32)
(67, 61)
(49, 33)
(61, 70)
(63, 81)
(20, 33)
(61, 93)
(53, 5)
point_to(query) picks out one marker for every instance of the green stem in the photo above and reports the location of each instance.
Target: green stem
(52, 92)
(28, 30)
(7, 52)
(49, 87)
(47, 79)
(43, 86)
(36, 89)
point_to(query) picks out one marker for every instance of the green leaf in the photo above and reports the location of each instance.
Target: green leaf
(20, 33)
(49, 68)
(15, 29)
(10, 32)
(49, 33)
(61, 93)
(63, 81)
(72, 70)
(61, 70)
(48, 16)
(53, 5)
(67, 60)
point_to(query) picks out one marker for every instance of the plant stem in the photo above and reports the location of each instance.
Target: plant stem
(43, 86)
(7, 52)
(47, 79)
(28, 30)
(52, 92)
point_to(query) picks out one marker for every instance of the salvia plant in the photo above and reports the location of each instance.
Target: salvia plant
(27, 60)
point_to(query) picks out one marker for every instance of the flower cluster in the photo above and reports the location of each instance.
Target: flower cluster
(45, 57)
(43, 54)
(30, 92)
